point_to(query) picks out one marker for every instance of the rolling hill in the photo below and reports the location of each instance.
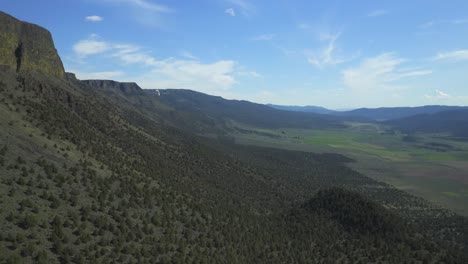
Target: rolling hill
(389, 113)
(376, 114)
(454, 122)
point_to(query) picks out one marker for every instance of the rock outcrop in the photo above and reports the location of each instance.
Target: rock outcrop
(26, 47)
(127, 88)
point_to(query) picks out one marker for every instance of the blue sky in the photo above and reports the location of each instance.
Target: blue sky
(337, 54)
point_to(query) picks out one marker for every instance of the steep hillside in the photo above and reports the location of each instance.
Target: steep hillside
(101, 172)
(245, 112)
(26, 47)
(88, 180)
(205, 114)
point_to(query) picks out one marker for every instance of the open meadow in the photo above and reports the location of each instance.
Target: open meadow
(432, 166)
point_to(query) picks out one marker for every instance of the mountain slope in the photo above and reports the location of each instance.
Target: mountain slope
(310, 109)
(377, 114)
(240, 111)
(454, 122)
(91, 173)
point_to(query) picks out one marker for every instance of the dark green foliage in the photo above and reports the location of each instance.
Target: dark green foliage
(28, 221)
(135, 188)
(355, 212)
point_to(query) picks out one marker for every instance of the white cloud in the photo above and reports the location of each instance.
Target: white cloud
(377, 13)
(379, 73)
(326, 56)
(456, 55)
(230, 11)
(436, 22)
(438, 94)
(303, 26)
(251, 74)
(94, 18)
(264, 37)
(412, 74)
(131, 54)
(145, 12)
(429, 24)
(90, 46)
(188, 55)
(206, 77)
(142, 4)
(126, 53)
(459, 21)
(246, 7)
(185, 73)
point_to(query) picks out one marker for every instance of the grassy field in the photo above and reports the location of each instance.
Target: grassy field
(431, 166)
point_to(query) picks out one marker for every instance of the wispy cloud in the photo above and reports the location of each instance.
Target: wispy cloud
(377, 13)
(377, 73)
(90, 46)
(326, 56)
(251, 74)
(143, 4)
(145, 12)
(303, 26)
(436, 22)
(446, 98)
(453, 56)
(264, 37)
(183, 72)
(245, 6)
(212, 78)
(126, 53)
(438, 94)
(459, 21)
(94, 18)
(188, 55)
(230, 11)
(131, 54)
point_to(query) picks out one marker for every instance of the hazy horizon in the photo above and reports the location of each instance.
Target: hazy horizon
(336, 55)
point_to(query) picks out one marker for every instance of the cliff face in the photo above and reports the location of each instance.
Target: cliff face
(109, 85)
(27, 47)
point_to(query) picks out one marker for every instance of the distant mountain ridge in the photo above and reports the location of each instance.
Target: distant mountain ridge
(377, 114)
(218, 108)
(307, 108)
(388, 113)
(451, 121)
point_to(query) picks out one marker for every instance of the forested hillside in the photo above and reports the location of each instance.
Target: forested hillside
(89, 174)
(85, 179)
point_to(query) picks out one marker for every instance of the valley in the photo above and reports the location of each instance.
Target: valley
(101, 171)
(433, 166)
